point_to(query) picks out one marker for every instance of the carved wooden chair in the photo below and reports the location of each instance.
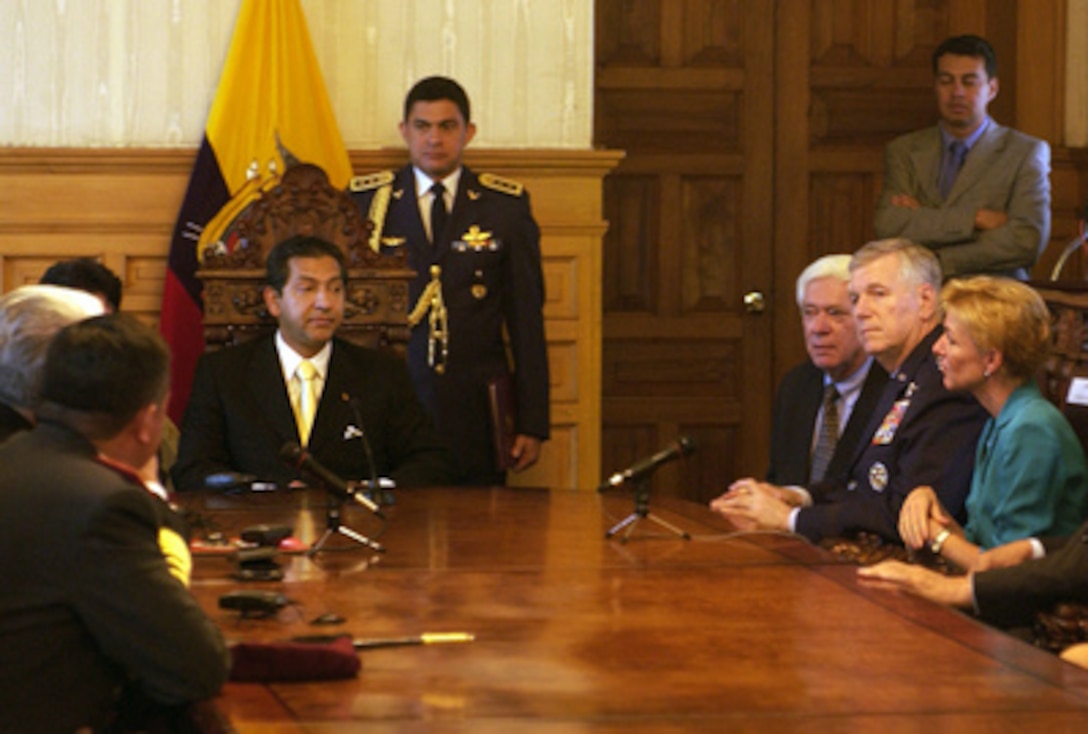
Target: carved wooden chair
(302, 202)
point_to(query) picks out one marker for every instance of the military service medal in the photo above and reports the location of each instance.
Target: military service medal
(878, 476)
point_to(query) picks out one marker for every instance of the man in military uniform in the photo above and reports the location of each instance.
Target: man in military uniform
(920, 434)
(476, 250)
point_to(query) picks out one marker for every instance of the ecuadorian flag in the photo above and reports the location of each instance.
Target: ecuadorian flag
(271, 98)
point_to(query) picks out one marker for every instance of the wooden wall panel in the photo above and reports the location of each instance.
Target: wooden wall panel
(633, 212)
(120, 206)
(709, 242)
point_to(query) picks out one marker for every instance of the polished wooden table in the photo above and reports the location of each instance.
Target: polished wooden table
(737, 633)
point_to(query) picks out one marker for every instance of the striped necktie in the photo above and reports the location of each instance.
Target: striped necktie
(828, 437)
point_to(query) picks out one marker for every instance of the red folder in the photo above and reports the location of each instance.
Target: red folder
(500, 400)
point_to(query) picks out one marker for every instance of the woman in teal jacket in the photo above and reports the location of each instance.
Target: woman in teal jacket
(1030, 478)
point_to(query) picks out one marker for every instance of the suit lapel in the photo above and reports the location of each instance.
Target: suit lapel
(871, 391)
(404, 209)
(808, 405)
(269, 391)
(986, 150)
(926, 158)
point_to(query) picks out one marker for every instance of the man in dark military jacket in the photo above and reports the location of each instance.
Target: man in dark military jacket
(476, 251)
(920, 434)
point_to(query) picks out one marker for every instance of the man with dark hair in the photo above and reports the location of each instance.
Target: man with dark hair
(96, 621)
(306, 386)
(476, 250)
(86, 274)
(974, 192)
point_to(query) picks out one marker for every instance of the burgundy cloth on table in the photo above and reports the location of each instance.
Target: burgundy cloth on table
(293, 661)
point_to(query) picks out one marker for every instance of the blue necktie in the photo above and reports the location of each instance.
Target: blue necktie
(952, 164)
(438, 212)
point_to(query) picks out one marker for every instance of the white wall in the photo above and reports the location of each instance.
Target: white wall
(88, 73)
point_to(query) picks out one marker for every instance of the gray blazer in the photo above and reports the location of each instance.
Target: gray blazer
(1006, 171)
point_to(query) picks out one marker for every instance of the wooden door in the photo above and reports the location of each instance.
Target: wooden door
(685, 88)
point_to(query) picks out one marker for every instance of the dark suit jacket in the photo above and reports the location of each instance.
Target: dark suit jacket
(1006, 171)
(1011, 597)
(919, 433)
(486, 289)
(239, 416)
(12, 422)
(796, 406)
(88, 599)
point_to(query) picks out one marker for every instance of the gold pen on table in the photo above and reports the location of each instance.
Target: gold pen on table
(427, 638)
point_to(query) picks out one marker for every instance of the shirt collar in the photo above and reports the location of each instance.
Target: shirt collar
(969, 141)
(290, 359)
(853, 382)
(1024, 393)
(425, 182)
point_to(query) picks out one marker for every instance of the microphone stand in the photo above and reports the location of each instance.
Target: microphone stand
(642, 512)
(335, 527)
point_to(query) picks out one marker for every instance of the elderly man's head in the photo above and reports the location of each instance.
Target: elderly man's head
(894, 285)
(831, 337)
(29, 318)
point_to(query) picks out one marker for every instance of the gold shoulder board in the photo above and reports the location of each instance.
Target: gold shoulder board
(371, 181)
(503, 185)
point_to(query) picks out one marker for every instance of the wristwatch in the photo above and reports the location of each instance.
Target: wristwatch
(938, 542)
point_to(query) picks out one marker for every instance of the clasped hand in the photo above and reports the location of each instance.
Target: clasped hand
(750, 504)
(922, 517)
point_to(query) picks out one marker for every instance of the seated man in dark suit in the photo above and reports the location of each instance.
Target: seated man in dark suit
(306, 386)
(96, 621)
(29, 317)
(824, 403)
(921, 433)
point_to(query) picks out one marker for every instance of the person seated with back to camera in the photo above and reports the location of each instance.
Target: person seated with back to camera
(248, 401)
(30, 316)
(88, 274)
(1030, 477)
(97, 626)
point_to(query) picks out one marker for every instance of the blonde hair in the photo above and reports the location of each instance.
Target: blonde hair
(1002, 314)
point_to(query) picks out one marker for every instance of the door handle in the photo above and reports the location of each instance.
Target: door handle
(754, 302)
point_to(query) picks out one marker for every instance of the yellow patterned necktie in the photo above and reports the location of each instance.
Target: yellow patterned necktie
(306, 374)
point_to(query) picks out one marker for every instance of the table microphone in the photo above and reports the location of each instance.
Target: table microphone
(299, 458)
(682, 446)
(354, 405)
